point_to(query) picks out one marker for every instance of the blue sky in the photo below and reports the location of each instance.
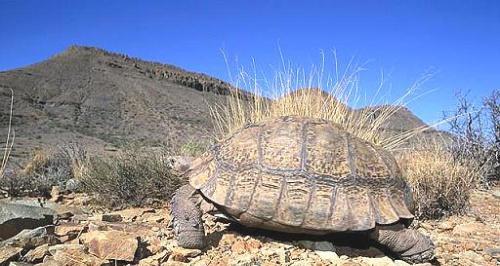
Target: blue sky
(458, 41)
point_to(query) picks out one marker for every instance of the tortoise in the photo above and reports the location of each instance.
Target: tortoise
(300, 175)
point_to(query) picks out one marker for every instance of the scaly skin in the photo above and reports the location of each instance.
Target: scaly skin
(187, 222)
(410, 245)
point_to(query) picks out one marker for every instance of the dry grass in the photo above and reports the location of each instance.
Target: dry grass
(9, 142)
(441, 184)
(294, 93)
(132, 178)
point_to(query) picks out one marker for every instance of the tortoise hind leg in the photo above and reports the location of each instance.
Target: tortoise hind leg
(187, 222)
(410, 245)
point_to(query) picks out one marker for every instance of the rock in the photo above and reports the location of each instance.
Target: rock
(130, 215)
(493, 252)
(496, 193)
(401, 263)
(351, 263)
(470, 258)
(244, 260)
(317, 245)
(112, 217)
(154, 218)
(383, 261)
(153, 245)
(468, 229)
(182, 254)
(9, 253)
(15, 217)
(328, 256)
(72, 185)
(29, 239)
(16, 263)
(49, 261)
(68, 231)
(55, 194)
(111, 245)
(156, 259)
(447, 225)
(71, 254)
(239, 246)
(36, 255)
(64, 215)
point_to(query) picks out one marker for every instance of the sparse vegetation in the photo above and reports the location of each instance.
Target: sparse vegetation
(477, 134)
(9, 141)
(130, 179)
(44, 170)
(193, 148)
(310, 101)
(441, 183)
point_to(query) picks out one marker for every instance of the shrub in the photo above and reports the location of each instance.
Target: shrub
(477, 134)
(440, 182)
(45, 170)
(130, 178)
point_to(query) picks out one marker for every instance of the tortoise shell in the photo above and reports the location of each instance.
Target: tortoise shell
(293, 173)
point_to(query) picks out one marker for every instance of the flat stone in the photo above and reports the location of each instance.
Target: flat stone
(111, 245)
(71, 254)
(17, 263)
(493, 252)
(37, 254)
(185, 252)
(132, 214)
(317, 245)
(111, 217)
(328, 256)
(17, 216)
(156, 259)
(69, 229)
(446, 225)
(401, 263)
(8, 254)
(383, 261)
(31, 238)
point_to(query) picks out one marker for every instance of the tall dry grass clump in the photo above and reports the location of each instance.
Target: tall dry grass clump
(316, 94)
(441, 183)
(9, 141)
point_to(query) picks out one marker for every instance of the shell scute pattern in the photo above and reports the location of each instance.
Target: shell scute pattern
(306, 173)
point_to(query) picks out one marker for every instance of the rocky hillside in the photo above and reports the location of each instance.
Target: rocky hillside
(106, 100)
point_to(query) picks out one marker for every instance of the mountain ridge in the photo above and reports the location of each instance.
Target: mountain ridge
(105, 100)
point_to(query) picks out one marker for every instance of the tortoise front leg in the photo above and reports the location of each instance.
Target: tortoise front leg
(187, 222)
(410, 245)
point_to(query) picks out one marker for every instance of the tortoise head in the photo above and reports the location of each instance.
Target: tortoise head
(179, 164)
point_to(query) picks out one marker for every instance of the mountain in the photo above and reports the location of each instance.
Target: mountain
(105, 100)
